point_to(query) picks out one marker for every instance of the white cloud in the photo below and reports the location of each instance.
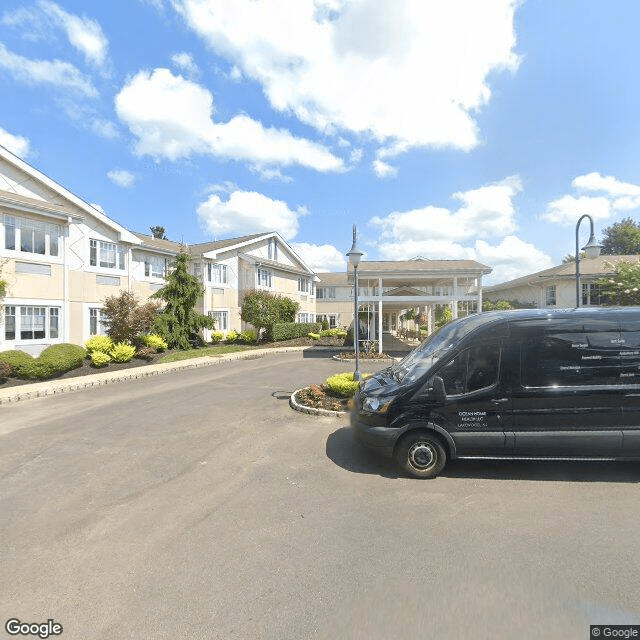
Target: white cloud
(246, 212)
(409, 73)
(85, 34)
(55, 72)
(18, 145)
(481, 229)
(568, 209)
(614, 196)
(384, 170)
(171, 117)
(186, 62)
(104, 128)
(485, 212)
(321, 258)
(121, 177)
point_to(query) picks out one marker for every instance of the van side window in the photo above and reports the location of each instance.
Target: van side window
(570, 359)
(471, 370)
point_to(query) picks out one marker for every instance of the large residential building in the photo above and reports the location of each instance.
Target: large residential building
(61, 258)
(556, 287)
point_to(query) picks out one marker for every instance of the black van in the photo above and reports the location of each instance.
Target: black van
(562, 383)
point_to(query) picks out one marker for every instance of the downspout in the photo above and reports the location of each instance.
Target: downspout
(65, 283)
(379, 314)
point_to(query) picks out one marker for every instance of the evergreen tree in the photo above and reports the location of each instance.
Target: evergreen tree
(158, 232)
(179, 323)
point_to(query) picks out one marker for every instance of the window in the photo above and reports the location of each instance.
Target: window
(473, 369)
(155, 267)
(591, 295)
(106, 254)
(221, 319)
(326, 293)
(264, 277)
(9, 323)
(217, 273)
(96, 323)
(31, 236)
(306, 317)
(273, 249)
(303, 285)
(332, 319)
(550, 296)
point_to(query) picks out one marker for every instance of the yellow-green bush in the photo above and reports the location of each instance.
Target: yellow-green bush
(217, 336)
(232, 336)
(122, 352)
(343, 384)
(99, 343)
(100, 359)
(155, 341)
(314, 336)
(336, 332)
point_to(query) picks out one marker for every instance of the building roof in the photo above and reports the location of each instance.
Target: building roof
(157, 243)
(204, 247)
(594, 267)
(333, 278)
(421, 265)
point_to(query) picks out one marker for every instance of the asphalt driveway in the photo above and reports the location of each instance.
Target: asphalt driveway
(199, 505)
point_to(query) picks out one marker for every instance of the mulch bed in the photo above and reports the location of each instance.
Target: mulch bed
(87, 368)
(318, 396)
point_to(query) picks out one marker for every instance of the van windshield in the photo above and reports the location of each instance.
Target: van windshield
(422, 358)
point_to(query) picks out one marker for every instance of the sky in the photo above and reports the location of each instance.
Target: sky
(449, 129)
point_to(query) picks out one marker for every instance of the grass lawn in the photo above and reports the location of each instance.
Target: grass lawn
(204, 351)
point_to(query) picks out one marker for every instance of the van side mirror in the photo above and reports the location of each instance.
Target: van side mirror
(439, 390)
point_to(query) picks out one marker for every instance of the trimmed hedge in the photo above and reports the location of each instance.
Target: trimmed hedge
(21, 362)
(53, 361)
(291, 330)
(5, 370)
(343, 384)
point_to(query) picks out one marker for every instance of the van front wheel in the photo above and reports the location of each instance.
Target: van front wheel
(421, 455)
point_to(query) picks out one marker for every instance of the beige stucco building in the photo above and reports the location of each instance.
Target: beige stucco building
(61, 258)
(556, 287)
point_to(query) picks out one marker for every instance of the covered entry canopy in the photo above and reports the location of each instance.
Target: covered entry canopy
(393, 286)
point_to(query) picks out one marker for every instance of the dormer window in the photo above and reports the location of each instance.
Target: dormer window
(273, 249)
(106, 254)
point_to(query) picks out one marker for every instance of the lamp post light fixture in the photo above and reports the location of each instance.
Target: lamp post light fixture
(591, 249)
(354, 258)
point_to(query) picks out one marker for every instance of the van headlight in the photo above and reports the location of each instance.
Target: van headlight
(376, 404)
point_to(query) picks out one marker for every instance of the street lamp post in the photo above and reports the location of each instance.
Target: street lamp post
(354, 258)
(591, 249)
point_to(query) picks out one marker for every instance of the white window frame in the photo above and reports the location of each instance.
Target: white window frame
(32, 318)
(217, 273)
(331, 318)
(96, 320)
(273, 249)
(267, 275)
(155, 267)
(221, 318)
(326, 293)
(100, 252)
(305, 318)
(303, 285)
(49, 239)
(550, 295)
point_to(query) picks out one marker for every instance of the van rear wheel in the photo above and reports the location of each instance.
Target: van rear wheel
(421, 455)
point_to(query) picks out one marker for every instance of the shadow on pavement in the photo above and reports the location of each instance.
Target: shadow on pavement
(282, 395)
(348, 454)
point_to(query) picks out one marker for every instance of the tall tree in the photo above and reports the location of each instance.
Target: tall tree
(622, 287)
(179, 323)
(158, 233)
(622, 238)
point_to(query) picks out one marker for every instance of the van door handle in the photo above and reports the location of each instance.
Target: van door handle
(500, 401)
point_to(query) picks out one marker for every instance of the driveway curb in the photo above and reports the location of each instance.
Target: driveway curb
(56, 387)
(296, 406)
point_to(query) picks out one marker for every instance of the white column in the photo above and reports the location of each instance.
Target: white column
(480, 294)
(379, 315)
(454, 301)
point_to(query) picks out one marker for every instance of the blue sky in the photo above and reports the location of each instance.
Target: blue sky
(450, 130)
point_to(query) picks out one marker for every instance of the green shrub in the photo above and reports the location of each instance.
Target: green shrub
(152, 340)
(290, 330)
(100, 359)
(232, 336)
(5, 370)
(122, 352)
(248, 337)
(314, 336)
(58, 359)
(337, 332)
(217, 336)
(99, 343)
(325, 325)
(145, 353)
(343, 384)
(22, 363)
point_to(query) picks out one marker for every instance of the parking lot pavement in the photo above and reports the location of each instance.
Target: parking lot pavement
(198, 505)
